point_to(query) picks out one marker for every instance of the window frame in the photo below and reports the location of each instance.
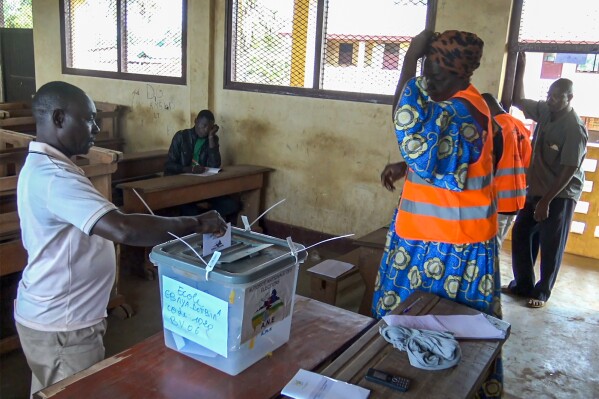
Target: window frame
(514, 47)
(182, 80)
(314, 91)
(595, 66)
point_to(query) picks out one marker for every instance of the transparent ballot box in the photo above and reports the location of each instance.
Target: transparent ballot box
(237, 313)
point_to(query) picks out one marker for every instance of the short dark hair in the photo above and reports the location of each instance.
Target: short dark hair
(54, 95)
(565, 85)
(206, 114)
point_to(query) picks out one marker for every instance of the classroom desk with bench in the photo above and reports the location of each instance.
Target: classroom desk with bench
(169, 191)
(371, 350)
(319, 333)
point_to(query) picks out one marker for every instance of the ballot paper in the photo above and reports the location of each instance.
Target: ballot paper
(309, 385)
(206, 172)
(462, 326)
(212, 242)
(331, 268)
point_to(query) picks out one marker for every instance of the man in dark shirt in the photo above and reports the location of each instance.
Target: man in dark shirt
(192, 151)
(555, 179)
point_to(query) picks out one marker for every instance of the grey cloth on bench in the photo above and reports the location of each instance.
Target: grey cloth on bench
(428, 350)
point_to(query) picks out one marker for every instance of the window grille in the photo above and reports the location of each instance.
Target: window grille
(16, 14)
(125, 39)
(323, 48)
(553, 22)
(552, 31)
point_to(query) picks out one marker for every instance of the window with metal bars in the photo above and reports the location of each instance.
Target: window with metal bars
(543, 28)
(342, 49)
(125, 39)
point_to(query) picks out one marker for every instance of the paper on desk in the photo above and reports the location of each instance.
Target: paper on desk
(331, 268)
(462, 326)
(309, 385)
(211, 242)
(206, 172)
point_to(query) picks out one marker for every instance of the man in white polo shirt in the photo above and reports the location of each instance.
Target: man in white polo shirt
(68, 229)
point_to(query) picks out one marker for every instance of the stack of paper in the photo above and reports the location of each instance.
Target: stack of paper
(462, 326)
(309, 385)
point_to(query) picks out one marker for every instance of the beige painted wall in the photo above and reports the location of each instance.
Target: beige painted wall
(327, 154)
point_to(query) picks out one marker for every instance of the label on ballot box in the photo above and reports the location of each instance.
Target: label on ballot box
(233, 316)
(195, 315)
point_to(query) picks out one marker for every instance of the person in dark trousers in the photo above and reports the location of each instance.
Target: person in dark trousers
(510, 172)
(555, 179)
(194, 150)
(68, 229)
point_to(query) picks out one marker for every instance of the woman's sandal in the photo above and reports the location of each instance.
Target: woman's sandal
(535, 303)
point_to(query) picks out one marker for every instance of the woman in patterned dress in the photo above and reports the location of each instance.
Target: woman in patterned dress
(442, 236)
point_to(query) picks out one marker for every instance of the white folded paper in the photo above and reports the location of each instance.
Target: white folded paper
(309, 385)
(331, 268)
(462, 326)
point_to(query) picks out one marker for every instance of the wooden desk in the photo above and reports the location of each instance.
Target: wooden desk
(137, 165)
(371, 350)
(319, 332)
(167, 191)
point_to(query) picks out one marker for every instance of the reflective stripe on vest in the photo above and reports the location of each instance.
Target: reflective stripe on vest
(511, 193)
(457, 213)
(510, 171)
(474, 183)
(431, 213)
(510, 178)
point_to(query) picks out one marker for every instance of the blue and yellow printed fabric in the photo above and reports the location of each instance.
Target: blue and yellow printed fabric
(438, 142)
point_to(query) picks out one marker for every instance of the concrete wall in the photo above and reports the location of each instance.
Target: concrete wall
(328, 154)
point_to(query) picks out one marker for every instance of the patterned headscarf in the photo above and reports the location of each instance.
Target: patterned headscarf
(456, 51)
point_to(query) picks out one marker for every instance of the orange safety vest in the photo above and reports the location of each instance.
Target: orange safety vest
(510, 177)
(431, 213)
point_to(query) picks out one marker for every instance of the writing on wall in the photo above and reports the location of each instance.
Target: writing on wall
(153, 97)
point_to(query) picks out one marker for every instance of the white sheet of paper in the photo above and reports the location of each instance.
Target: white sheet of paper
(207, 172)
(331, 268)
(190, 347)
(462, 326)
(309, 385)
(211, 242)
(195, 315)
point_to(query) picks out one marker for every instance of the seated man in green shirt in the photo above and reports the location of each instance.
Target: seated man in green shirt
(192, 151)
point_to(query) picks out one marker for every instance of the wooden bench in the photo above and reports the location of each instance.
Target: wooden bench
(329, 288)
(18, 117)
(98, 166)
(371, 350)
(359, 280)
(139, 165)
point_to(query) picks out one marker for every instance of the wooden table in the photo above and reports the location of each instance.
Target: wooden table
(371, 350)
(168, 191)
(319, 332)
